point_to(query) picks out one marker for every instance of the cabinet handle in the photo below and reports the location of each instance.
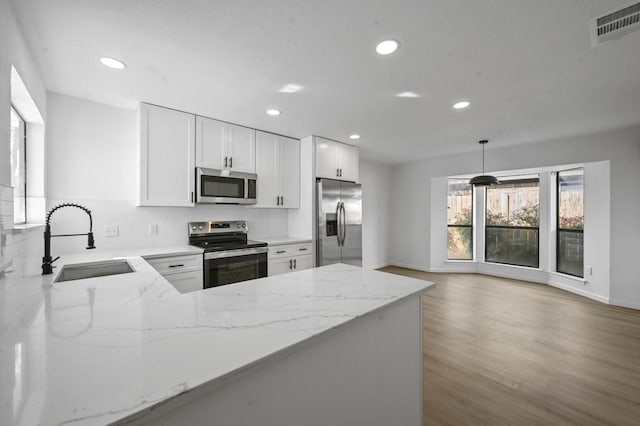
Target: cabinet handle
(303, 249)
(231, 162)
(337, 172)
(340, 172)
(180, 265)
(290, 264)
(277, 200)
(225, 161)
(192, 196)
(282, 200)
(295, 264)
(281, 251)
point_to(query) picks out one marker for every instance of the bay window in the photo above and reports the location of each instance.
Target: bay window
(460, 220)
(512, 221)
(570, 241)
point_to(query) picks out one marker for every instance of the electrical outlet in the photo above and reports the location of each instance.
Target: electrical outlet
(588, 270)
(111, 230)
(153, 229)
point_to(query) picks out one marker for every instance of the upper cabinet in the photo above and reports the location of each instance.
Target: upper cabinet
(167, 158)
(221, 146)
(278, 169)
(335, 160)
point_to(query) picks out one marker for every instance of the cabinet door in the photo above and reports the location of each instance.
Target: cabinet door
(303, 262)
(290, 172)
(326, 160)
(167, 142)
(210, 143)
(280, 266)
(241, 148)
(267, 162)
(348, 162)
(185, 282)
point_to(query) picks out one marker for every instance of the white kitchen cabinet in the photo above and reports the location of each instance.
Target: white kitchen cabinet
(225, 146)
(278, 169)
(183, 272)
(289, 257)
(167, 157)
(335, 160)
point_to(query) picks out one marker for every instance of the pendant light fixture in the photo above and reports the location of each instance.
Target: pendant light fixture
(483, 180)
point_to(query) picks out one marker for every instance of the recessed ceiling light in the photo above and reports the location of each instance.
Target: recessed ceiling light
(354, 136)
(273, 112)
(408, 95)
(113, 63)
(291, 88)
(461, 105)
(386, 47)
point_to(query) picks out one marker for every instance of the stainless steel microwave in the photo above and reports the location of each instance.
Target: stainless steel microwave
(225, 187)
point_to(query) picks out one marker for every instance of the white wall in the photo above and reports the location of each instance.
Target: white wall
(92, 161)
(14, 52)
(411, 191)
(376, 210)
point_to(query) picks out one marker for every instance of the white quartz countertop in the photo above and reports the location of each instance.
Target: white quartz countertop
(278, 241)
(109, 349)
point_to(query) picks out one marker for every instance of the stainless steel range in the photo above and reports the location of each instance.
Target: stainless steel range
(229, 257)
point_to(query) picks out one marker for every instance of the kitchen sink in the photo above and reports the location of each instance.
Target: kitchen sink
(81, 271)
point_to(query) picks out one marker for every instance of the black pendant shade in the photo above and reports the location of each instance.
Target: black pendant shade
(483, 180)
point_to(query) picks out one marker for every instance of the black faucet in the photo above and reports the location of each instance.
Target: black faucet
(47, 261)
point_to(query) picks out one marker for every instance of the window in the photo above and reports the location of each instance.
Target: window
(18, 167)
(460, 220)
(512, 221)
(570, 222)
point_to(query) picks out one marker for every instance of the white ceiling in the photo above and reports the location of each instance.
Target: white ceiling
(527, 66)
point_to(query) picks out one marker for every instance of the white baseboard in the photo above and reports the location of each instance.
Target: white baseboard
(625, 304)
(579, 291)
(409, 266)
(381, 265)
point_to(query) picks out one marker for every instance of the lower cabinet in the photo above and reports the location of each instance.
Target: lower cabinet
(183, 272)
(289, 258)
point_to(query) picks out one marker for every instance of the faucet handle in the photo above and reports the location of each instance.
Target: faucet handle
(54, 260)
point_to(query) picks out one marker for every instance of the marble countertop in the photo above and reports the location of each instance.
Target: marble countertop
(278, 241)
(109, 349)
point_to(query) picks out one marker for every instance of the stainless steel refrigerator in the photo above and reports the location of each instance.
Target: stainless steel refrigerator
(339, 222)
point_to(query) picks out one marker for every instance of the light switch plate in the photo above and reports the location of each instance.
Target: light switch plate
(111, 231)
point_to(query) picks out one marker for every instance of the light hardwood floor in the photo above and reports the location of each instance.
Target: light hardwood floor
(505, 352)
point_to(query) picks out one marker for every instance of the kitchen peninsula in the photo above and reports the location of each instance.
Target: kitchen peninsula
(331, 345)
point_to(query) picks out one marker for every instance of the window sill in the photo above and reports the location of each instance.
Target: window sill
(24, 227)
(567, 277)
(459, 261)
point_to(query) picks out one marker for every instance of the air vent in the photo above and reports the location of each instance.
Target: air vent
(615, 24)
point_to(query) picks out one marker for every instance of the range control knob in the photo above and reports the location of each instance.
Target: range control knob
(200, 227)
(244, 225)
(193, 227)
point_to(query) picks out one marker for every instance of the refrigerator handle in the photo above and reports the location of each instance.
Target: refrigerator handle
(344, 223)
(338, 223)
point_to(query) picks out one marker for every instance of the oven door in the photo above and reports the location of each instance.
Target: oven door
(228, 267)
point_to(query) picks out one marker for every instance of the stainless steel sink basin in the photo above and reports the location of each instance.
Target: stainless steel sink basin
(104, 268)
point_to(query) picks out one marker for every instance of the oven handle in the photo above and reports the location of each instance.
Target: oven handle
(234, 253)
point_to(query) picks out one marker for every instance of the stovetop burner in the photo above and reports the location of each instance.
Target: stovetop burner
(220, 236)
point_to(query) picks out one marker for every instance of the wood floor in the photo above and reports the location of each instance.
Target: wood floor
(506, 352)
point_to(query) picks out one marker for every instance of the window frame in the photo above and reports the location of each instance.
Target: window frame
(14, 110)
(506, 180)
(558, 229)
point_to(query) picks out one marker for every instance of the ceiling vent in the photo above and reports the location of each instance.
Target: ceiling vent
(615, 24)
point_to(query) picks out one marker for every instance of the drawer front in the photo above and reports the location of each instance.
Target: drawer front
(300, 249)
(276, 252)
(170, 265)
